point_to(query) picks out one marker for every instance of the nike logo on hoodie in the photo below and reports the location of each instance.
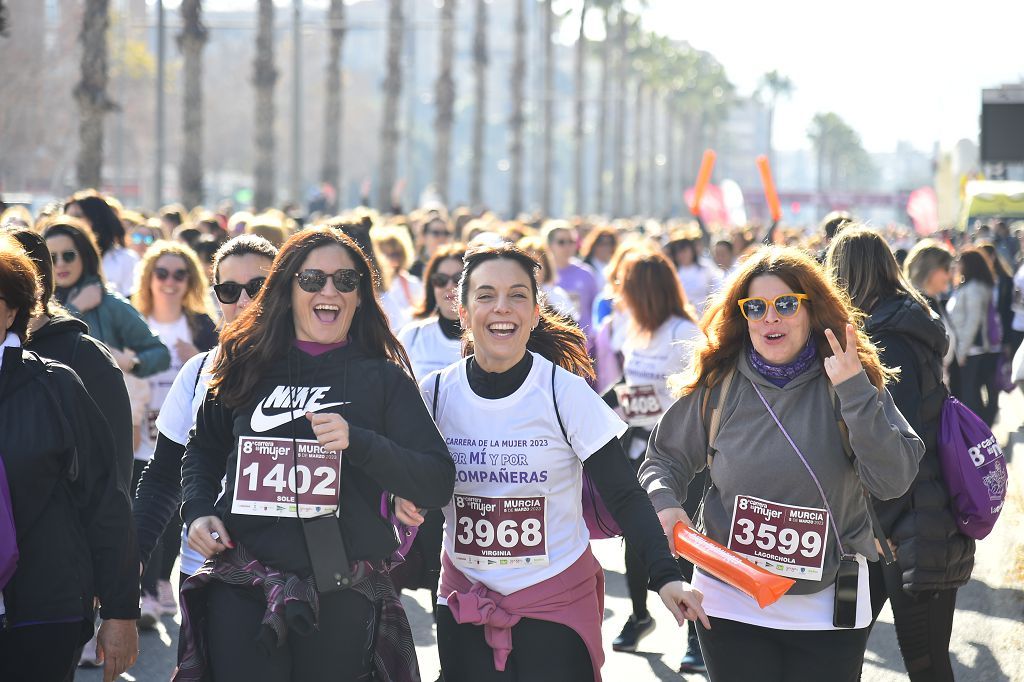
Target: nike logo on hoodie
(296, 400)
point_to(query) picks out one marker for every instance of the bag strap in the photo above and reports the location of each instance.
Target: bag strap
(202, 363)
(554, 400)
(437, 391)
(713, 420)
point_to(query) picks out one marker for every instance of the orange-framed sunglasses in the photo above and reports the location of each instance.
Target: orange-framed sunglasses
(786, 305)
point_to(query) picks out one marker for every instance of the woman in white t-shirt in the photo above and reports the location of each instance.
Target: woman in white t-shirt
(699, 276)
(402, 291)
(518, 579)
(433, 339)
(240, 267)
(659, 323)
(171, 297)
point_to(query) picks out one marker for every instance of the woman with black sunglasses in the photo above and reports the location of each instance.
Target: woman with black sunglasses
(171, 296)
(312, 413)
(433, 339)
(112, 320)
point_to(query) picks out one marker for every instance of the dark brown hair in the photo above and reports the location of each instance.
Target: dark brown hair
(34, 246)
(726, 332)
(556, 337)
(85, 242)
(454, 251)
(263, 333)
(594, 236)
(643, 273)
(19, 285)
(102, 218)
(974, 267)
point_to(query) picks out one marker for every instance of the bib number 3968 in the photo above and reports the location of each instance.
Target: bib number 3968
(500, 532)
(269, 477)
(784, 539)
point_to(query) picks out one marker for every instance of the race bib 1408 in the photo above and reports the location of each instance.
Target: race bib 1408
(269, 476)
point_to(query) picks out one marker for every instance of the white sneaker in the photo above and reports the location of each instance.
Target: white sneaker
(165, 596)
(149, 616)
(90, 657)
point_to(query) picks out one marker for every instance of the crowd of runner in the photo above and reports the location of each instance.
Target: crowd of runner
(307, 417)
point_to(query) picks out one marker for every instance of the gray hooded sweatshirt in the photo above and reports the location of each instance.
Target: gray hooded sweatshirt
(752, 456)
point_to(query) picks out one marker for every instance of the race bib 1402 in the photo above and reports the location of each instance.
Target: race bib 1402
(269, 476)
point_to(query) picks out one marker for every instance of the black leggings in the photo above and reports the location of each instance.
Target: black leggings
(978, 372)
(542, 651)
(924, 622)
(339, 649)
(40, 653)
(739, 651)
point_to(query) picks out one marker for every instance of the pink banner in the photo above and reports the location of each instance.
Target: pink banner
(712, 205)
(923, 209)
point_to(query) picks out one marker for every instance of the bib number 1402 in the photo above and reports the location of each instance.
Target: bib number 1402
(271, 480)
(326, 477)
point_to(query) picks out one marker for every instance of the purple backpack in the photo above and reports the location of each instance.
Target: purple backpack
(974, 468)
(8, 533)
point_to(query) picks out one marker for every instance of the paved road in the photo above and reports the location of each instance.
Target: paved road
(988, 629)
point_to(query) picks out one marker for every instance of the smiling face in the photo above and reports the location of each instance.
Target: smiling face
(241, 269)
(778, 340)
(447, 297)
(500, 311)
(65, 274)
(169, 291)
(324, 316)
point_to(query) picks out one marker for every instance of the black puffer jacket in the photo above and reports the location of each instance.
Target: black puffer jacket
(933, 554)
(67, 340)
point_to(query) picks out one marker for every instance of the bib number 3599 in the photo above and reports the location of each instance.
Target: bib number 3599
(784, 539)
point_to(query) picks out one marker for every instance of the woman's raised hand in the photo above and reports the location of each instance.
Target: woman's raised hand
(844, 364)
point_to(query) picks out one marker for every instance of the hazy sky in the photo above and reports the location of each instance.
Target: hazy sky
(893, 69)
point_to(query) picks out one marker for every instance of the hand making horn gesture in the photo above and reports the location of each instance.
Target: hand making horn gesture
(844, 364)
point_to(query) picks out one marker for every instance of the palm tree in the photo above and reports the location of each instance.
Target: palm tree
(775, 85)
(610, 11)
(480, 96)
(516, 119)
(191, 41)
(330, 164)
(91, 92)
(549, 106)
(445, 95)
(624, 25)
(389, 116)
(263, 80)
(577, 136)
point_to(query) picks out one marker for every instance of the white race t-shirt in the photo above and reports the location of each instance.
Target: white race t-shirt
(790, 612)
(428, 348)
(160, 383)
(178, 417)
(516, 517)
(398, 301)
(119, 265)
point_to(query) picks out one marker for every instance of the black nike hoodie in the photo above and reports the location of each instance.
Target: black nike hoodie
(393, 445)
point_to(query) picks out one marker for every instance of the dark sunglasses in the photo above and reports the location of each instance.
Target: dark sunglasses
(139, 238)
(441, 233)
(442, 281)
(163, 273)
(786, 305)
(230, 292)
(564, 242)
(312, 281)
(66, 256)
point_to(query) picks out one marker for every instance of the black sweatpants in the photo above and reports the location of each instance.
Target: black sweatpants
(339, 649)
(980, 372)
(739, 651)
(152, 572)
(924, 622)
(40, 653)
(542, 651)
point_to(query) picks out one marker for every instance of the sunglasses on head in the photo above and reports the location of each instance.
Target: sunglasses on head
(312, 281)
(442, 281)
(162, 274)
(66, 256)
(786, 305)
(230, 292)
